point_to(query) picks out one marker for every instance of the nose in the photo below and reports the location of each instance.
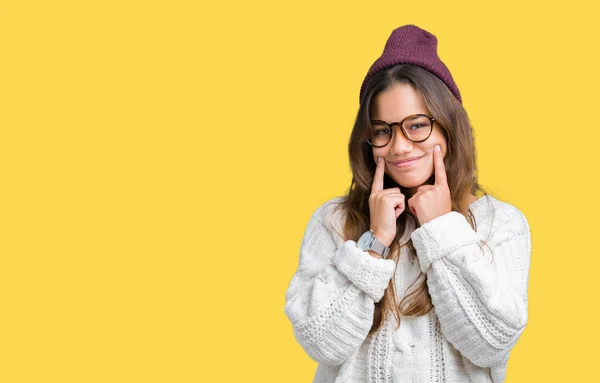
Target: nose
(400, 144)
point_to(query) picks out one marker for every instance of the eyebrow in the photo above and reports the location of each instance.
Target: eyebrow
(412, 114)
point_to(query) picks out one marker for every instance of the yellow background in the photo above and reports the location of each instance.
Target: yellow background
(159, 162)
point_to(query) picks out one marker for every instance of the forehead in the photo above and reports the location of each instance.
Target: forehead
(397, 102)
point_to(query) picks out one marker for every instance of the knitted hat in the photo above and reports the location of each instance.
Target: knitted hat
(410, 44)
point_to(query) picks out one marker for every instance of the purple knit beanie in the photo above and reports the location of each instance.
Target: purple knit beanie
(410, 44)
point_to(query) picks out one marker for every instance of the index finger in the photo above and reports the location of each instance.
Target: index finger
(378, 178)
(440, 169)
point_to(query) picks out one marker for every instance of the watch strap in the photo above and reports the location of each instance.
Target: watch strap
(378, 247)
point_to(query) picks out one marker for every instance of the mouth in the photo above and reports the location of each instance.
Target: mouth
(406, 163)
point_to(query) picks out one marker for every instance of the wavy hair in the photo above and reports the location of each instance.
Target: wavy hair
(460, 163)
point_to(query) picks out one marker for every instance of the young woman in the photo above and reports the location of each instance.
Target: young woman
(417, 274)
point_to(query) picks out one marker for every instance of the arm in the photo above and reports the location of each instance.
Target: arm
(480, 299)
(331, 297)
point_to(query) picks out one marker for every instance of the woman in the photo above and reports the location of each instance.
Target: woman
(418, 274)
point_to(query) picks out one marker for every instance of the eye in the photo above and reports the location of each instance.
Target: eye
(382, 132)
(417, 126)
(380, 128)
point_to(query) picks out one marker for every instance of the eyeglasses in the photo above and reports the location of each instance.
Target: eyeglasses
(416, 128)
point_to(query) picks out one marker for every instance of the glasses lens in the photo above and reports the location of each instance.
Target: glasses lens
(380, 133)
(417, 128)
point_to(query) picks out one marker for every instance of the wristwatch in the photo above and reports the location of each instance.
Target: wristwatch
(367, 241)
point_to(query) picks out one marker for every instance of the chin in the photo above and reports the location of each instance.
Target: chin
(411, 182)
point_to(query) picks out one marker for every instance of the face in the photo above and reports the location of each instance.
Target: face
(394, 105)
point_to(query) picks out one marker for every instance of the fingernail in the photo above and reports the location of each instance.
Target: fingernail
(378, 159)
(437, 148)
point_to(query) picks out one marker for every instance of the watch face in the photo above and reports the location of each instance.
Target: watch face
(365, 240)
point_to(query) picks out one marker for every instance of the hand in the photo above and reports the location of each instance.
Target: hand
(385, 207)
(432, 201)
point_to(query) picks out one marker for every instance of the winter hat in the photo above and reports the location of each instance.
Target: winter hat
(410, 44)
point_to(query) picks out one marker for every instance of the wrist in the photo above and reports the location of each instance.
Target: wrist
(385, 239)
(369, 241)
(374, 254)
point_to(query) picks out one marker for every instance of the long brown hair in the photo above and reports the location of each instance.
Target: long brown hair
(460, 168)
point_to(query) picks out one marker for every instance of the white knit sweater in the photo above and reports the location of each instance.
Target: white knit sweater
(480, 299)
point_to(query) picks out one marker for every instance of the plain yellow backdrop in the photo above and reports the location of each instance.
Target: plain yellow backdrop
(159, 162)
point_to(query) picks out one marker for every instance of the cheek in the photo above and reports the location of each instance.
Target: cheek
(431, 147)
(378, 152)
(444, 147)
(441, 141)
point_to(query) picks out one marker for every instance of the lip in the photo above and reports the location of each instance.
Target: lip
(407, 162)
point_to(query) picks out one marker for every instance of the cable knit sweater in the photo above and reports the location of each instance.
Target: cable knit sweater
(479, 293)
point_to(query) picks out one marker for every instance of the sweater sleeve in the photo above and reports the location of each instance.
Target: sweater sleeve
(331, 297)
(479, 296)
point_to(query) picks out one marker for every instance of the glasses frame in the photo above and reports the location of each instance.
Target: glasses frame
(402, 129)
